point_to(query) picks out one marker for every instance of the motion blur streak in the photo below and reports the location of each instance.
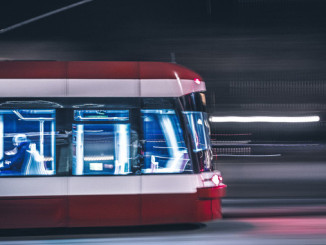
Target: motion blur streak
(266, 119)
(253, 231)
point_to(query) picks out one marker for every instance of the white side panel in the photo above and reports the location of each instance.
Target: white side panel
(98, 87)
(32, 87)
(165, 184)
(104, 185)
(169, 87)
(103, 88)
(99, 185)
(36, 186)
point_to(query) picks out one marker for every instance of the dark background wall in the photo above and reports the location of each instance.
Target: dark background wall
(258, 57)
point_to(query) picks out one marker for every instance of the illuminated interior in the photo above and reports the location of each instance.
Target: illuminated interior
(165, 149)
(27, 142)
(101, 149)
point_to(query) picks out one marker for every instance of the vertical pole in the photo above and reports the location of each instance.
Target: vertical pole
(79, 168)
(173, 58)
(1, 137)
(42, 140)
(53, 146)
(209, 7)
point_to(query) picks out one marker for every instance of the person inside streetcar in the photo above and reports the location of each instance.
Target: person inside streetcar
(13, 160)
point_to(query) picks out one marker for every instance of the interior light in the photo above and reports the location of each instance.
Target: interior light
(99, 158)
(96, 166)
(197, 80)
(265, 119)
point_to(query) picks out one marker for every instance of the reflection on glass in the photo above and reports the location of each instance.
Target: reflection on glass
(27, 142)
(199, 128)
(101, 149)
(165, 149)
(101, 115)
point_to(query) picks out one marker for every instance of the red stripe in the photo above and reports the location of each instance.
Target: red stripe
(33, 212)
(32, 69)
(102, 70)
(93, 70)
(211, 192)
(106, 210)
(168, 209)
(152, 70)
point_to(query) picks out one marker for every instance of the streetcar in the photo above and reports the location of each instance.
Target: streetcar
(89, 144)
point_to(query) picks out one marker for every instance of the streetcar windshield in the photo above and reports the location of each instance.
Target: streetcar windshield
(199, 128)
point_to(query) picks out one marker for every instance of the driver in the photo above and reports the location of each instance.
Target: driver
(13, 159)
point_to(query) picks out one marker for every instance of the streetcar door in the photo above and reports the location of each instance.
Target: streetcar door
(104, 187)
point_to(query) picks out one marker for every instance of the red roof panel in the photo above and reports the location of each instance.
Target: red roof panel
(94, 70)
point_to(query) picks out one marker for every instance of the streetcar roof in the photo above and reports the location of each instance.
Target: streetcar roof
(96, 79)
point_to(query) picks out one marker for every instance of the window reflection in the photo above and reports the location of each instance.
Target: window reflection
(165, 149)
(199, 128)
(27, 142)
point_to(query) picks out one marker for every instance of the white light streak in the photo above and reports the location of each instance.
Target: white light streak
(179, 81)
(229, 155)
(265, 119)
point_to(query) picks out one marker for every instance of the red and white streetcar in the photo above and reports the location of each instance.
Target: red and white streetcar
(104, 144)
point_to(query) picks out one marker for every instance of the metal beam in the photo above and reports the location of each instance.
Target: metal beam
(9, 28)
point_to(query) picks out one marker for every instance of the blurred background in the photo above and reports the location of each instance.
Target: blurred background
(258, 58)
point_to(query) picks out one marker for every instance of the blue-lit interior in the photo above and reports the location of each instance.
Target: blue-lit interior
(199, 128)
(101, 149)
(101, 115)
(165, 149)
(27, 142)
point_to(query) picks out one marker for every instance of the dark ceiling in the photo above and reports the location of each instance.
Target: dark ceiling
(229, 42)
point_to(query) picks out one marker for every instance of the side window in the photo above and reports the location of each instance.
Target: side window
(27, 142)
(165, 148)
(101, 142)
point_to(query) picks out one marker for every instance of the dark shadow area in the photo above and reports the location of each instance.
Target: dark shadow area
(215, 227)
(13, 234)
(227, 226)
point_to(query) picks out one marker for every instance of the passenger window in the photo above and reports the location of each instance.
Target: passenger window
(27, 142)
(101, 148)
(165, 149)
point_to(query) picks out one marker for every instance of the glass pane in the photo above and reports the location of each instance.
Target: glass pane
(101, 115)
(27, 142)
(165, 149)
(199, 128)
(101, 149)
